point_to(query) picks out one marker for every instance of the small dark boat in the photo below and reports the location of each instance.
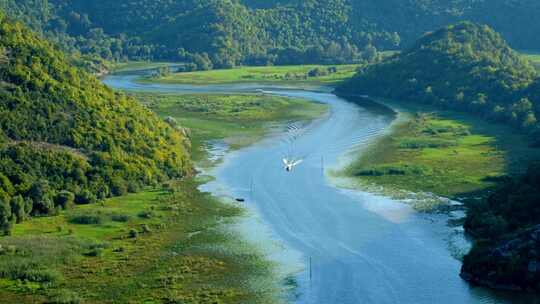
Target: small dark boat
(240, 200)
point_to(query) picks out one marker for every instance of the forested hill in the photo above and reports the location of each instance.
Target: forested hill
(65, 138)
(467, 67)
(223, 33)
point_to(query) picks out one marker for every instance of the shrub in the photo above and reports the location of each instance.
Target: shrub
(5, 217)
(19, 270)
(95, 252)
(18, 209)
(145, 228)
(122, 218)
(86, 219)
(422, 143)
(64, 296)
(133, 187)
(43, 206)
(317, 72)
(393, 169)
(119, 186)
(133, 233)
(85, 197)
(40, 275)
(65, 199)
(146, 214)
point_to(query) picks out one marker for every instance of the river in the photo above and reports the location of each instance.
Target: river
(355, 247)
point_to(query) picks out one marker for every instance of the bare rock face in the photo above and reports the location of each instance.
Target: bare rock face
(512, 264)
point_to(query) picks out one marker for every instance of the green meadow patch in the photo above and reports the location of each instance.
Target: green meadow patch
(446, 154)
(108, 253)
(294, 74)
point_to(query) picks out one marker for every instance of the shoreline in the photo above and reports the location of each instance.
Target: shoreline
(482, 146)
(285, 263)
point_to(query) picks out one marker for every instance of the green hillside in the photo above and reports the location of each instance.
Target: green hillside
(220, 34)
(66, 138)
(466, 67)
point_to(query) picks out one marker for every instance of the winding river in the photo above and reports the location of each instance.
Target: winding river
(355, 247)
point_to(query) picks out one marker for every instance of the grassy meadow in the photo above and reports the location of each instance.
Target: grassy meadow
(157, 246)
(444, 153)
(239, 119)
(297, 74)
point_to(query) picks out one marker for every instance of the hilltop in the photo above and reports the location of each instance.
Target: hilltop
(467, 67)
(66, 138)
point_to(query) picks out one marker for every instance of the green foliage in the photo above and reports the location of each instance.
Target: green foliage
(465, 66)
(207, 34)
(215, 33)
(5, 217)
(512, 208)
(133, 233)
(18, 208)
(68, 138)
(121, 218)
(507, 227)
(64, 296)
(86, 219)
(65, 199)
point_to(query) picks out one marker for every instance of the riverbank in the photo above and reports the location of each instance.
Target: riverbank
(237, 120)
(428, 154)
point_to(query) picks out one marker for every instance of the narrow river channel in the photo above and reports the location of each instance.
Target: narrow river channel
(355, 247)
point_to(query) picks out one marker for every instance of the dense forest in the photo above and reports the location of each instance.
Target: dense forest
(220, 34)
(67, 139)
(467, 67)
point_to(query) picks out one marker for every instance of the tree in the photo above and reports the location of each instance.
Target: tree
(524, 105)
(85, 197)
(5, 217)
(44, 206)
(65, 199)
(529, 121)
(370, 53)
(18, 211)
(39, 190)
(4, 58)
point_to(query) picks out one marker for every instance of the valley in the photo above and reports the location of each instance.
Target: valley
(284, 151)
(275, 197)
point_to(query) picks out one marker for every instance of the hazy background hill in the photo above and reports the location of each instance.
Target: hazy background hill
(212, 33)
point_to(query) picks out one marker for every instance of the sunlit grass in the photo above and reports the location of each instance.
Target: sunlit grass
(448, 154)
(179, 254)
(296, 74)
